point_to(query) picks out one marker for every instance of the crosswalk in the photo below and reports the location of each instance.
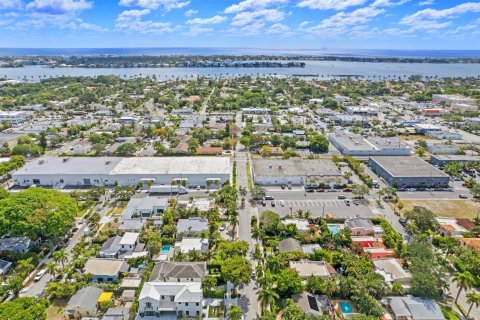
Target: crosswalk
(314, 203)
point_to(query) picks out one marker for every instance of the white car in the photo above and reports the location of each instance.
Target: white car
(39, 275)
(282, 203)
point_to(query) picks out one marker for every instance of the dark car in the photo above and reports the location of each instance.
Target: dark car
(273, 203)
(310, 190)
(403, 222)
(264, 203)
(282, 186)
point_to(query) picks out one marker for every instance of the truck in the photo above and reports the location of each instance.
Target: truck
(173, 189)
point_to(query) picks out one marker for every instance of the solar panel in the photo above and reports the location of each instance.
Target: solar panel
(313, 303)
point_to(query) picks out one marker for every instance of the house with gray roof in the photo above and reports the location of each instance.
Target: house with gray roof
(192, 226)
(289, 245)
(145, 207)
(83, 303)
(360, 226)
(111, 247)
(413, 308)
(105, 270)
(167, 271)
(16, 244)
(315, 305)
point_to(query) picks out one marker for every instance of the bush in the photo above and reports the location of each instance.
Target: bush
(214, 294)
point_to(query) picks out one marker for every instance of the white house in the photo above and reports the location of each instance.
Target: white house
(129, 241)
(160, 299)
(188, 244)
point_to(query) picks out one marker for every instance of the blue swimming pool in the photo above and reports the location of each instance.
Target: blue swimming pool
(333, 228)
(165, 249)
(346, 307)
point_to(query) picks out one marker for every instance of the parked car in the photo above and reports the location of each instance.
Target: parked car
(356, 202)
(273, 203)
(403, 222)
(282, 203)
(264, 203)
(223, 227)
(269, 197)
(282, 186)
(347, 190)
(463, 196)
(341, 196)
(39, 275)
(289, 187)
(347, 202)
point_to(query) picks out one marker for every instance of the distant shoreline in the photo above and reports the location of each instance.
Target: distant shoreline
(202, 61)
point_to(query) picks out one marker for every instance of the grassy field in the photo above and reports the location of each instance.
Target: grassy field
(56, 310)
(249, 177)
(446, 208)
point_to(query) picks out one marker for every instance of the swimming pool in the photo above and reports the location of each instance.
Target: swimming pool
(346, 307)
(334, 228)
(165, 249)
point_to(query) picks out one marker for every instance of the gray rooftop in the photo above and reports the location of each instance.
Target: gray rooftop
(406, 166)
(85, 298)
(351, 141)
(179, 270)
(295, 167)
(359, 222)
(72, 165)
(289, 245)
(457, 158)
(415, 308)
(195, 224)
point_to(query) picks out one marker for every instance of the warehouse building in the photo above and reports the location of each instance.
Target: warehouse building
(441, 160)
(356, 145)
(310, 173)
(102, 171)
(14, 117)
(406, 172)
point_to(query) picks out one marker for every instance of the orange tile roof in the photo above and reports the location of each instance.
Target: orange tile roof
(471, 242)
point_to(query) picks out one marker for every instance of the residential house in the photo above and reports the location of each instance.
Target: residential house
(413, 308)
(472, 243)
(392, 271)
(83, 303)
(448, 227)
(289, 245)
(360, 226)
(310, 248)
(188, 244)
(160, 299)
(145, 207)
(110, 248)
(315, 305)
(167, 271)
(16, 244)
(307, 268)
(129, 241)
(194, 226)
(117, 314)
(105, 270)
(302, 224)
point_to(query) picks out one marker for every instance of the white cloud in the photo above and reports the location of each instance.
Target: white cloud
(330, 4)
(196, 30)
(280, 29)
(304, 23)
(388, 3)
(343, 22)
(425, 3)
(256, 17)
(40, 20)
(10, 4)
(191, 12)
(247, 5)
(430, 19)
(213, 20)
(52, 7)
(166, 5)
(131, 21)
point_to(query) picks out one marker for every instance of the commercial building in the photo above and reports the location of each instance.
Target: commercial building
(14, 117)
(424, 128)
(255, 111)
(362, 111)
(472, 122)
(297, 172)
(450, 99)
(348, 120)
(444, 135)
(433, 112)
(441, 160)
(442, 148)
(404, 172)
(356, 145)
(101, 171)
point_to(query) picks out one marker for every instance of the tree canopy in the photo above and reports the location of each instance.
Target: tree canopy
(37, 212)
(24, 309)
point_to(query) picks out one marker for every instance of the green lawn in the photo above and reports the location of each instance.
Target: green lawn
(249, 177)
(449, 314)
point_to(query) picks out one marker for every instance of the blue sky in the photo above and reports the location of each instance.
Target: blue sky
(277, 24)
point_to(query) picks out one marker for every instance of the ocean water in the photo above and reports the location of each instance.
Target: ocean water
(240, 51)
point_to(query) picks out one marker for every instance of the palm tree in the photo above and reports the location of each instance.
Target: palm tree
(464, 280)
(51, 268)
(235, 313)
(257, 233)
(60, 256)
(412, 229)
(233, 220)
(267, 298)
(474, 299)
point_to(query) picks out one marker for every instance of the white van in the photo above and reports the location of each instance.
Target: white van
(39, 275)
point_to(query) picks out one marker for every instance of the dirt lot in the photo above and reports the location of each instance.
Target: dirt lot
(446, 208)
(414, 137)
